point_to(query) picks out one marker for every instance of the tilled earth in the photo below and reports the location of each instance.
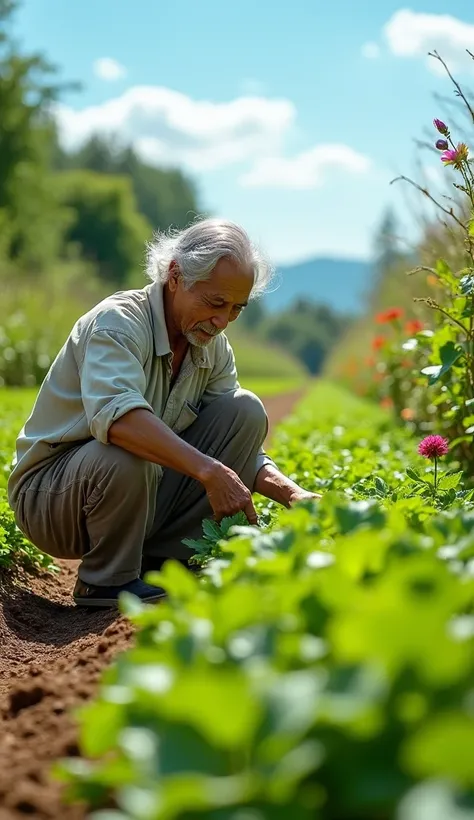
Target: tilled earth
(51, 658)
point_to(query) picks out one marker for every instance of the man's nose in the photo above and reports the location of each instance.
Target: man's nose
(220, 321)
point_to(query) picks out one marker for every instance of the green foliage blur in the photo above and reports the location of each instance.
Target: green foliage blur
(15, 551)
(305, 329)
(417, 356)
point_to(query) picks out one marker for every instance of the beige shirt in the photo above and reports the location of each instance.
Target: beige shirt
(117, 358)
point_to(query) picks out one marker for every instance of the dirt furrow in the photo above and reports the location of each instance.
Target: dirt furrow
(51, 657)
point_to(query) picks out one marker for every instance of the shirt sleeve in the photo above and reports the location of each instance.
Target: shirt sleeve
(113, 380)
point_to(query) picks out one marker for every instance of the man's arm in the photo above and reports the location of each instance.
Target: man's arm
(113, 385)
(144, 434)
(272, 484)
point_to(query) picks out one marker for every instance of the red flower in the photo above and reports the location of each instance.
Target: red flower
(390, 315)
(414, 326)
(433, 447)
(378, 342)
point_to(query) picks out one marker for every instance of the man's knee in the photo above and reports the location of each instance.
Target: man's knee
(247, 408)
(109, 462)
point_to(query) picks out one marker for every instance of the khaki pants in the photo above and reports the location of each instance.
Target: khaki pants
(102, 504)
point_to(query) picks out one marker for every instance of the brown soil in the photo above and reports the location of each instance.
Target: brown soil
(52, 656)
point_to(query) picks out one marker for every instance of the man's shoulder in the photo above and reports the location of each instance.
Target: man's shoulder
(124, 311)
(222, 347)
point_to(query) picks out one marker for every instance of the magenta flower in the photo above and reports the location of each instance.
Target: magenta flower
(441, 127)
(449, 156)
(456, 156)
(433, 447)
(442, 145)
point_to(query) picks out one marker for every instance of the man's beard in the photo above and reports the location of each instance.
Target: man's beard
(198, 341)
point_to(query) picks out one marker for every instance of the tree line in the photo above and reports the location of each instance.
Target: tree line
(89, 213)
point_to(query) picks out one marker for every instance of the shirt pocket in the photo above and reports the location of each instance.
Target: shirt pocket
(186, 416)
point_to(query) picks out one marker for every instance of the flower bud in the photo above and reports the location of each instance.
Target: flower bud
(440, 126)
(442, 145)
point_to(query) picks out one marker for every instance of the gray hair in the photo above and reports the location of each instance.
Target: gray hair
(198, 248)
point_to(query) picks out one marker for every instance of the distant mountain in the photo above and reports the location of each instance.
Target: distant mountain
(339, 283)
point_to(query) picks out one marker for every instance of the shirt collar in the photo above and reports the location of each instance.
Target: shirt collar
(200, 355)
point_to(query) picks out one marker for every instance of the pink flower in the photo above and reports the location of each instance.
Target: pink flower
(456, 156)
(449, 156)
(433, 447)
(441, 127)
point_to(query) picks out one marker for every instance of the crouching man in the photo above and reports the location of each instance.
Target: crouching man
(140, 428)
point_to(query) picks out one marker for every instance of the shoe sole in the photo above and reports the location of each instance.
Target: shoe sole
(113, 603)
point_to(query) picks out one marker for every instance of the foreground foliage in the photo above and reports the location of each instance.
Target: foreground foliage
(319, 668)
(15, 550)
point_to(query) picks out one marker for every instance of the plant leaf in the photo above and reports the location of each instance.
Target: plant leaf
(449, 354)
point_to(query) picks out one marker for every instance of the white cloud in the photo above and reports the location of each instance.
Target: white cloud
(108, 69)
(169, 128)
(307, 169)
(371, 51)
(412, 34)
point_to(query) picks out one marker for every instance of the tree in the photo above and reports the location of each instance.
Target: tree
(104, 222)
(27, 206)
(164, 196)
(253, 315)
(307, 330)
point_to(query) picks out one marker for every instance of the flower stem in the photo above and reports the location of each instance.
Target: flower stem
(435, 483)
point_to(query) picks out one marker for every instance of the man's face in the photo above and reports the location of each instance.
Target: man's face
(206, 309)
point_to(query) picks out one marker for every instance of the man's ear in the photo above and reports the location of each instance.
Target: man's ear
(173, 275)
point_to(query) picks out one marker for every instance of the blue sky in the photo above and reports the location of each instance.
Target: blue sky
(292, 119)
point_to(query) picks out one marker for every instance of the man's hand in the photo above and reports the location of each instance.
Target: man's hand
(273, 484)
(302, 495)
(227, 494)
(142, 433)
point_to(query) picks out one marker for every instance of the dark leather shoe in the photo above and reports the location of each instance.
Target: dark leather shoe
(107, 597)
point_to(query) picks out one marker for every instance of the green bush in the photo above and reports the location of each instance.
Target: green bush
(319, 668)
(104, 223)
(37, 314)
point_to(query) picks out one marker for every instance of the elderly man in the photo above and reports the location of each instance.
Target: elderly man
(140, 429)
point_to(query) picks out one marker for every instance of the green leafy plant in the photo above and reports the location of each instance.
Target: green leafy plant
(214, 533)
(334, 647)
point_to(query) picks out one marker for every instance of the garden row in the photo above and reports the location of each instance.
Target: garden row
(320, 667)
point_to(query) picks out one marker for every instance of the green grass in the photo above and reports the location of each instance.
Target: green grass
(265, 388)
(15, 405)
(257, 360)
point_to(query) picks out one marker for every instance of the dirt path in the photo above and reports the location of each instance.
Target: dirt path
(51, 657)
